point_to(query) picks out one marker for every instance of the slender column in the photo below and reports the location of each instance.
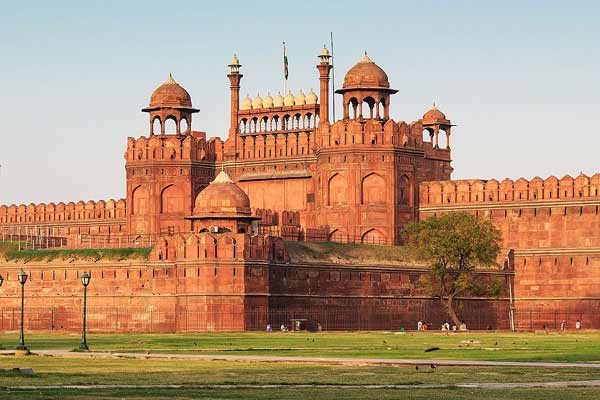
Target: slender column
(324, 67)
(234, 79)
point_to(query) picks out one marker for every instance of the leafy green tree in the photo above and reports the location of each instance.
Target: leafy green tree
(454, 245)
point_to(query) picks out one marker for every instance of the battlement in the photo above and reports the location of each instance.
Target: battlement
(227, 246)
(476, 191)
(382, 132)
(192, 147)
(62, 213)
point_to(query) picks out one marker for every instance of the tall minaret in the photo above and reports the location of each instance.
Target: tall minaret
(234, 78)
(324, 67)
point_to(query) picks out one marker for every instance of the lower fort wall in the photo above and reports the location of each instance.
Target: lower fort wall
(218, 295)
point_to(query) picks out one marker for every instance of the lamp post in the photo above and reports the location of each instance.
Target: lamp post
(21, 348)
(85, 281)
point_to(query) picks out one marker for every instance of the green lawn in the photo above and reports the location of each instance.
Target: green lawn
(503, 346)
(56, 371)
(308, 393)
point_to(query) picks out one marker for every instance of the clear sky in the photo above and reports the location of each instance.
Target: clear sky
(521, 79)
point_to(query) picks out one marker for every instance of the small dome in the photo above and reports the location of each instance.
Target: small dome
(234, 61)
(311, 98)
(366, 74)
(268, 101)
(222, 197)
(257, 102)
(170, 94)
(289, 99)
(278, 100)
(246, 104)
(300, 99)
(324, 52)
(434, 116)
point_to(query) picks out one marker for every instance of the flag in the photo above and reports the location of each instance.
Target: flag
(285, 63)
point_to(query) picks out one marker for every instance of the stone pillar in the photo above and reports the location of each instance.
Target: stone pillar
(324, 68)
(234, 79)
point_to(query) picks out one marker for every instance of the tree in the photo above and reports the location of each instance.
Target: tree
(453, 244)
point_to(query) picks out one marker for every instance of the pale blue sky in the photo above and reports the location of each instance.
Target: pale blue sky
(520, 78)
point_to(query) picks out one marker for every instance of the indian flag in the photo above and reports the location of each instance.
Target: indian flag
(285, 63)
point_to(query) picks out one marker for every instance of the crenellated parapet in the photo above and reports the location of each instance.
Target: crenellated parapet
(214, 246)
(63, 213)
(192, 147)
(442, 193)
(352, 132)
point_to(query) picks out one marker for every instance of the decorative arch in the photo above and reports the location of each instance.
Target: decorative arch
(404, 190)
(140, 201)
(373, 236)
(372, 189)
(338, 235)
(337, 190)
(171, 200)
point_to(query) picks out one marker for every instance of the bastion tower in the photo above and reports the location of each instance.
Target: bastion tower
(167, 169)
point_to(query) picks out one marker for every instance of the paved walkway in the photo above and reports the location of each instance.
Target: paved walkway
(328, 360)
(560, 384)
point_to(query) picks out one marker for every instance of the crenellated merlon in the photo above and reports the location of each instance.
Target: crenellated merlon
(522, 190)
(61, 213)
(193, 147)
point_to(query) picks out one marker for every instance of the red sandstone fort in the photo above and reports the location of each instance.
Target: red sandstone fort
(216, 214)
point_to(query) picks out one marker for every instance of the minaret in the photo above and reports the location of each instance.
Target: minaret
(324, 67)
(234, 78)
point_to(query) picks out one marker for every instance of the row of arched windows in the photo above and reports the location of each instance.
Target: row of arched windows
(278, 123)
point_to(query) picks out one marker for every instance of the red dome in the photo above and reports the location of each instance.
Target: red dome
(434, 115)
(170, 94)
(222, 198)
(366, 74)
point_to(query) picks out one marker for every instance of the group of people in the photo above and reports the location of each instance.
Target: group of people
(282, 328)
(563, 325)
(423, 326)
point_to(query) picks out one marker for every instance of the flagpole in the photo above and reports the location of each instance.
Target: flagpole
(284, 77)
(332, 79)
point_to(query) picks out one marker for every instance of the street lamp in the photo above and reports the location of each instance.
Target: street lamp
(85, 281)
(21, 348)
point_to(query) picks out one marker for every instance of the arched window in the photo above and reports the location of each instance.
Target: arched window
(183, 126)
(156, 126)
(368, 108)
(428, 135)
(443, 139)
(170, 125)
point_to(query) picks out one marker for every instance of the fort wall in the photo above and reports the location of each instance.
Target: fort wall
(553, 226)
(229, 295)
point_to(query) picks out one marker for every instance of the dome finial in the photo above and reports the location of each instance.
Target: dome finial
(365, 59)
(170, 79)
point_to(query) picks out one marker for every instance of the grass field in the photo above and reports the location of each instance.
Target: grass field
(494, 346)
(59, 371)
